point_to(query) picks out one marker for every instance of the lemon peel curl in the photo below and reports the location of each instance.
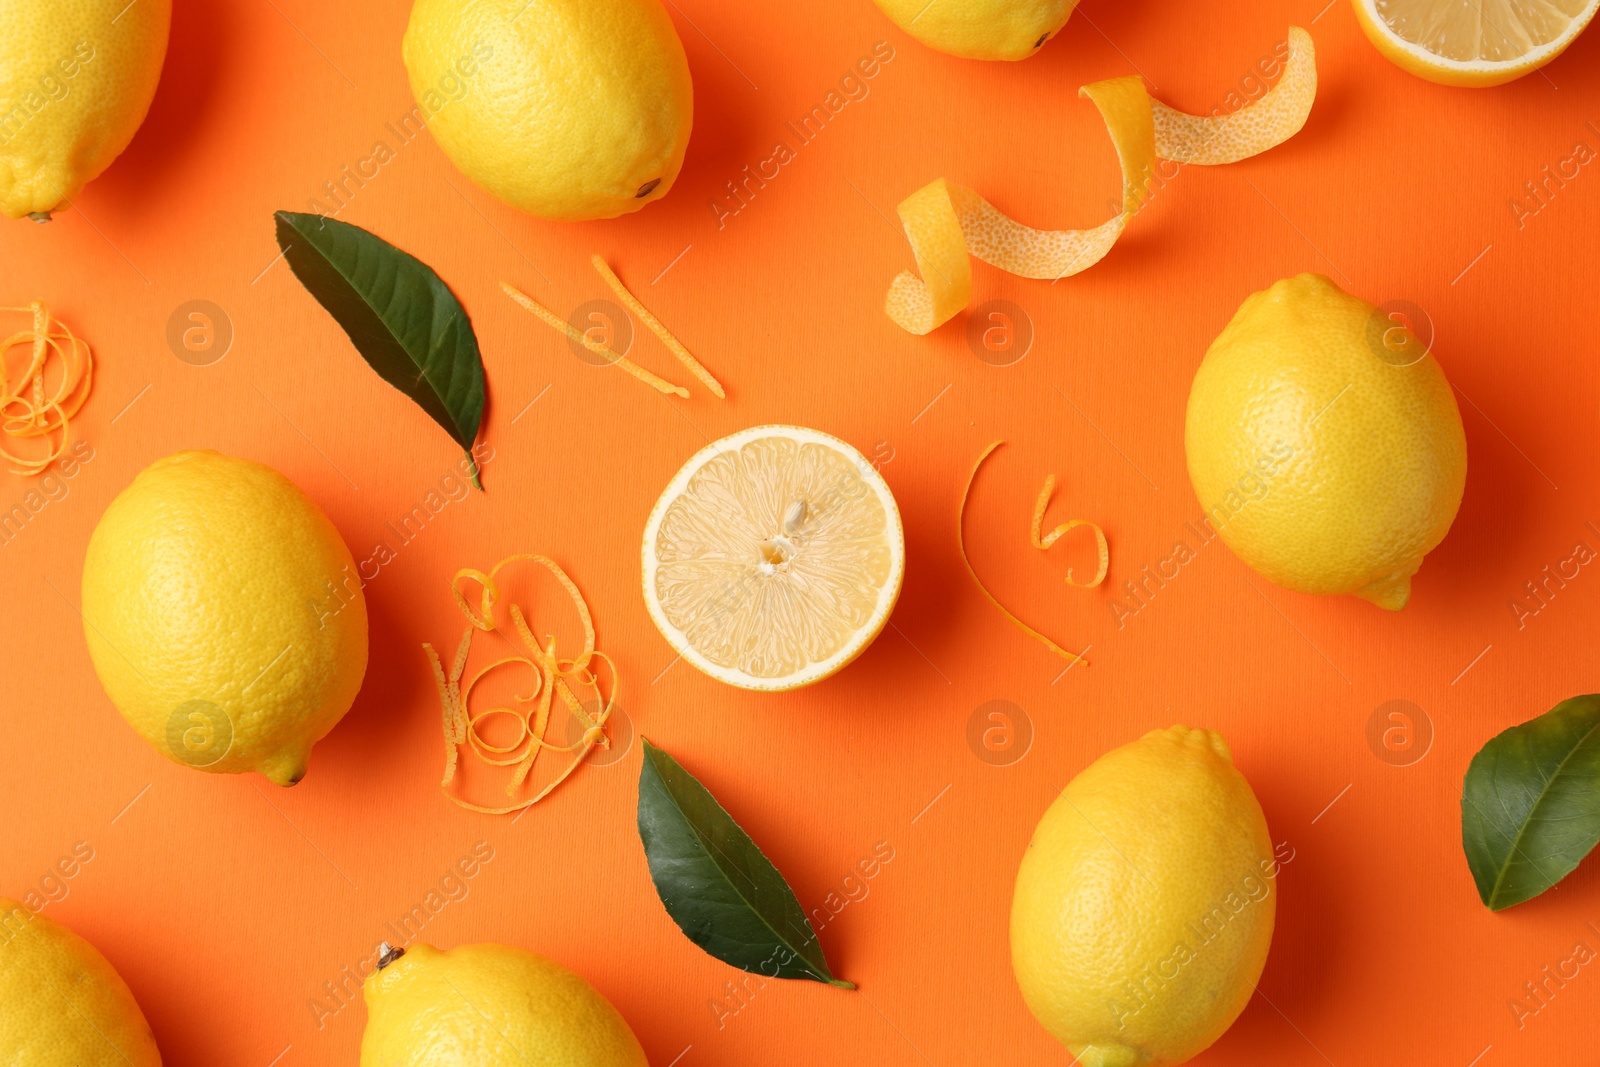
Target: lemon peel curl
(948, 223)
(33, 407)
(1043, 541)
(961, 548)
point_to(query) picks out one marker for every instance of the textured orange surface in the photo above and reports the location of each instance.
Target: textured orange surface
(233, 907)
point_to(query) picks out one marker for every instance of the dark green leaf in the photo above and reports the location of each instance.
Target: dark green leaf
(402, 318)
(719, 888)
(1530, 807)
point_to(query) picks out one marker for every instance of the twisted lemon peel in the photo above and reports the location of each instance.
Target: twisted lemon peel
(946, 223)
(461, 725)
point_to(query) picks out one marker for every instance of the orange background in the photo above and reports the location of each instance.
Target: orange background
(226, 903)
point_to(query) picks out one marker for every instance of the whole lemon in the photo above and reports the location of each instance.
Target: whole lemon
(489, 1006)
(1324, 443)
(981, 29)
(61, 1003)
(76, 79)
(566, 109)
(224, 615)
(1144, 905)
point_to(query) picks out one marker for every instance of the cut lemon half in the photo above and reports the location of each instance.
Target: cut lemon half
(1474, 43)
(773, 558)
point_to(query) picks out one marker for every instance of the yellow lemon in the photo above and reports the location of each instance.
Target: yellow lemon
(1467, 44)
(224, 615)
(61, 1003)
(773, 558)
(488, 1006)
(76, 79)
(566, 109)
(1324, 443)
(981, 29)
(1144, 905)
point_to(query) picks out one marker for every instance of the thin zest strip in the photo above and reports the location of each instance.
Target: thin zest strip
(961, 547)
(449, 715)
(946, 223)
(485, 749)
(484, 618)
(541, 721)
(461, 725)
(1044, 541)
(595, 734)
(560, 326)
(656, 327)
(28, 409)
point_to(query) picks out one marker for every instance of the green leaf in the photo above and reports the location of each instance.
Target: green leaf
(402, 318)
(719, 888)
(1530, 806)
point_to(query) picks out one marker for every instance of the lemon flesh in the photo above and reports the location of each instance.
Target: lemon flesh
(1145, 903)
(565, 109)
(1324, 443)
(489, 1006)
(981, 29)
(65, 1006)
(1473, 44)
(224, 615)
(76, 80)
(773, 558)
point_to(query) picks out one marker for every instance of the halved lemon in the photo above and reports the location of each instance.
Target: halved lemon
(773, 558)
(1474, 43)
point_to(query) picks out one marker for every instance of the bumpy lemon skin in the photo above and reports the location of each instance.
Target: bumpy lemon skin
(489, 1006)
(1328, 461)
(573, 110)
(1441, 72)
(213, 579)
(1144, 906)
(981, 29)
(61, 1003)
(76, 80)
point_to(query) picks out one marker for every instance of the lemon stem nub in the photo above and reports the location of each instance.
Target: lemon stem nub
(387, 954)
(41, 217)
